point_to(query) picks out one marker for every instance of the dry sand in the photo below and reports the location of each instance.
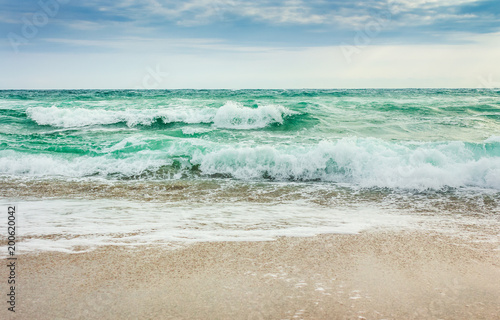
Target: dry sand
(376, 275)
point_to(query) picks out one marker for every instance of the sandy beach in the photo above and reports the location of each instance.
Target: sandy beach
(372, 275)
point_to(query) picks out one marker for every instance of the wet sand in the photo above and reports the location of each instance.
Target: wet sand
(373, 275)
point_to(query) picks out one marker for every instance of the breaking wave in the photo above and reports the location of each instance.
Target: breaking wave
(231, 115)
(360, 162)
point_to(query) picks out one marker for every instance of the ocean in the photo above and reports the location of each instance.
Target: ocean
(125, 167)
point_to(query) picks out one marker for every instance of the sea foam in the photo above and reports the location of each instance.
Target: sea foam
(231, 115)
(360, 162)
(235, 116)
(81, 117)
(363, 162)
(128, 223)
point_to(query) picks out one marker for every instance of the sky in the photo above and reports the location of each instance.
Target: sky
(235, 44)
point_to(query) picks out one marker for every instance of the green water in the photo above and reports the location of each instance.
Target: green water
(369, 138)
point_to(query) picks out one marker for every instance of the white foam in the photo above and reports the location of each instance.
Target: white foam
(64, 225)
(360, 162)
(364, 162)
(192, 131)
(231, 115)
(40, 165)
(492, 139)
(81, 117)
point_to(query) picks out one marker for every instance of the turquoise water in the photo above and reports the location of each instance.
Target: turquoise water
(409, 139)
(90, 168)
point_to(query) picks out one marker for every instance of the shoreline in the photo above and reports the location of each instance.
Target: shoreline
(371, 275)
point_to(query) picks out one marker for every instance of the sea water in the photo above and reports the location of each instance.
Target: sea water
(96, 167)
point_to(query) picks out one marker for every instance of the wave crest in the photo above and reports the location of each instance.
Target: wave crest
(81, 117)
(357, 162)
(231, 115)
(363, 162)
(235, 116)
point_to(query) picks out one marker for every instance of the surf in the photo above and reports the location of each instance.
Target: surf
(231, 115)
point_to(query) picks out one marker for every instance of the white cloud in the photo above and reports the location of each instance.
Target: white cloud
(85, 25)
(195, 12)
(411, 5)
(141, 45)
(300, 12)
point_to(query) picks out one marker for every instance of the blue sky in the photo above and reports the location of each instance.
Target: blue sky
(249, 44)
